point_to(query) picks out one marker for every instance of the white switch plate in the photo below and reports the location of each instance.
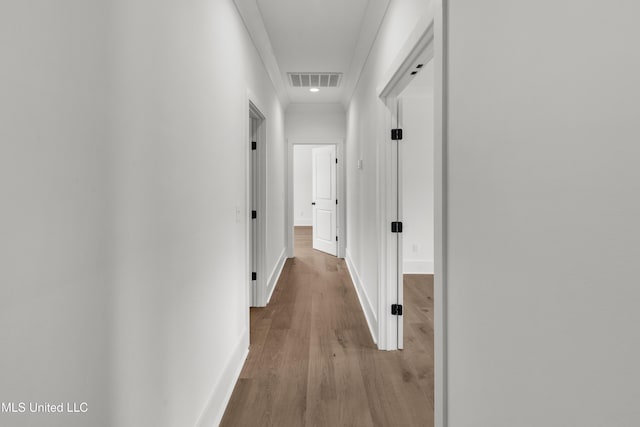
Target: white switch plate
(360, 164)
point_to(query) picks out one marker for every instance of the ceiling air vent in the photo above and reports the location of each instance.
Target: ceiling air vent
(315, 79)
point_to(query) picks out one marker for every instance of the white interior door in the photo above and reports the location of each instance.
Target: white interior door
(324, 199)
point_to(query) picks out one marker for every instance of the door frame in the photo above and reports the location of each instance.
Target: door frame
(254, 111)
(427, 42)
(340, 188)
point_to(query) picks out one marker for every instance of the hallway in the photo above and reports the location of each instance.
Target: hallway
(312, 361)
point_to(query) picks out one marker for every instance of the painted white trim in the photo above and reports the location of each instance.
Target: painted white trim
(389, 243)
(342, 188)
(214, 409)
(363, 297)
(417, 266)
(275, 275)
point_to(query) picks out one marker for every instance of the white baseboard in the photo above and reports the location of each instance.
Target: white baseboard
(303, 222)
(365, 303)
(214, 410)
(275, 274)
(417, 266)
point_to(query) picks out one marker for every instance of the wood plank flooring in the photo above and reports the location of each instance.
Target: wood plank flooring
(312, 361)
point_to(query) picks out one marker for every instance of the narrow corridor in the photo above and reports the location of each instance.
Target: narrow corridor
(312, 361)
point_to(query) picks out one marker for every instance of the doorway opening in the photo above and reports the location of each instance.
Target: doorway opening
(415, 194)
(256, 202)
(316, 207)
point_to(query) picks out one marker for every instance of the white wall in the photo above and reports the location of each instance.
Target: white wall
(55, 209)
(315, 121)
(364, 136)
(543, 213)
(302, 185)
(123, 147)
(417, 174)
(184, 68)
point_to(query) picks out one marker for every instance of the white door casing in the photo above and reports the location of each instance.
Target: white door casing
(324, 199)
(340, 191)
(256, 201)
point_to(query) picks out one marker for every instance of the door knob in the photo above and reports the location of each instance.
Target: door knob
(313, 203)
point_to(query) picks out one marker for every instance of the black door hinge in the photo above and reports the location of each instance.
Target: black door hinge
(336, 238)
(336, 160)
(396, 134)
(396, 227)
(254, 276)
(254, 214)
(254, 145)
(336, 201)
(396, 309)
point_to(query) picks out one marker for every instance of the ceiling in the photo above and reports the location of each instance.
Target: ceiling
(313, 36)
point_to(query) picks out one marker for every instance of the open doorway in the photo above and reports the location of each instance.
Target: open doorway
(416, 207)
(316, 196)
(413, 93)
(315, 199)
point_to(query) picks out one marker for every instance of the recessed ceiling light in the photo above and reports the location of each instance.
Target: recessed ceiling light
(314, 89)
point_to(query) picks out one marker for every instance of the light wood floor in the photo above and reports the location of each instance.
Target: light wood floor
(312, 361)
